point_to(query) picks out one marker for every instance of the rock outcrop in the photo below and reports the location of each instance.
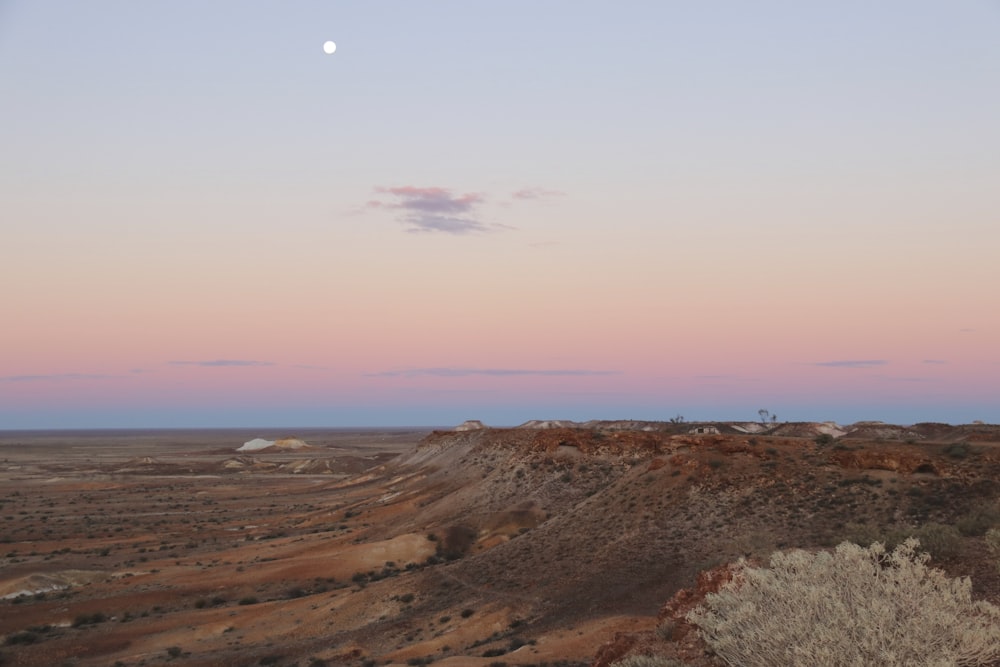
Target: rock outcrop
(258, 444)
(471, 425)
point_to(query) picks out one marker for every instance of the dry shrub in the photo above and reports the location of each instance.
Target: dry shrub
(457, 542)
(647, 661)
(979, 520)
(993, 543)
(941, 541)
(855, 606)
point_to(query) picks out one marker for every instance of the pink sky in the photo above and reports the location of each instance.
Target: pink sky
(429, 225)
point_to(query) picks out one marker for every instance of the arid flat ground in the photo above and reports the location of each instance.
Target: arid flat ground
(484, 547)
(164, 533)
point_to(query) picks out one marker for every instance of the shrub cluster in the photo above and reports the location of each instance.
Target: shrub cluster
(993, 543)
(823, 439)
(89, 619)
(979, 520)
(939, 540)
(647, 661)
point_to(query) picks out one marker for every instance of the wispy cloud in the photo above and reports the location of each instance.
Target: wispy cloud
(904, 378)
(934, 361)
(57, 377)
(439, 201)
(441, 223)
(725, 378)
(495, 372)
(434, 209)
(221, 362)
(852, 363)
(536, 193)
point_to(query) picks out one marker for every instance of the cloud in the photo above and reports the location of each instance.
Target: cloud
(903, 378)
(221, 362)
(494, 372)
(440, 223)
(934, 361)
(852, 363)
(434, 209)
(726, 378)
(431, 200)
(57, 377)
(536, 193)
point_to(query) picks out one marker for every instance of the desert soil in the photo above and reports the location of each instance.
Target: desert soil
(483, 547)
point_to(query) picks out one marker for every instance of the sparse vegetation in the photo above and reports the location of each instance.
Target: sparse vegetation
(89, 619)
(939, 540)
(647, 661)
(979, 520)
(456, 543)
(23, 637)
(959, 451)
(823, 439)
(993, 544)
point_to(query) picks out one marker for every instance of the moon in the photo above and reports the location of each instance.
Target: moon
(329, 48)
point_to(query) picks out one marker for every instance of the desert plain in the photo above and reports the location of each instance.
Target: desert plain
(553, 543)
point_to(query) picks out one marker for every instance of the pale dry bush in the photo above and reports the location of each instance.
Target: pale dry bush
(856, 606)
(647, 661)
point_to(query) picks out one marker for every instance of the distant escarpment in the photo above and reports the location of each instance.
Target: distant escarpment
(638, 440)
(557, 440)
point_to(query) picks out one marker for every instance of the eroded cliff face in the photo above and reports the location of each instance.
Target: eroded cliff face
(893, 459)
(675, 636)
(597, 442)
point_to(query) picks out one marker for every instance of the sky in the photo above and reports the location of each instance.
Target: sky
(555, 209)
